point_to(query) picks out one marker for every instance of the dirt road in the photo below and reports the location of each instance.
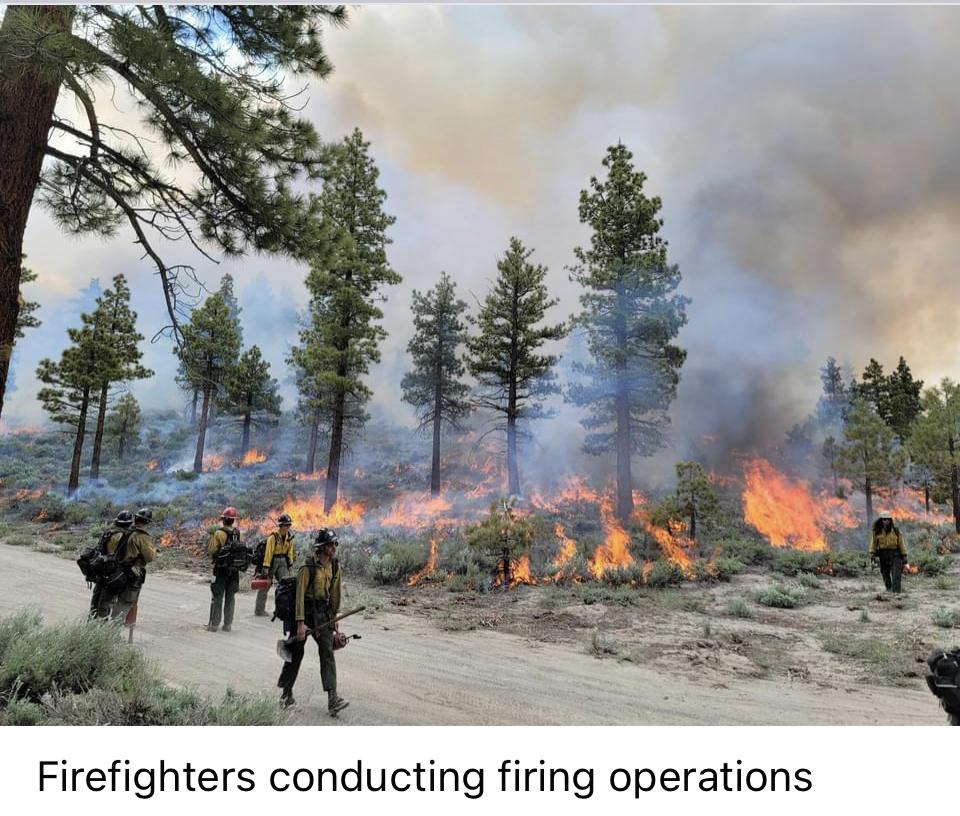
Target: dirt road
(406, 671)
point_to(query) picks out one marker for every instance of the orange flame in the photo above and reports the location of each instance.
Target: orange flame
(615, 550)
(27, 495)
(153, 464)
(213, 462)
(430, 566)
(781, 509)
(307, 513)
(253, 457)
(415, 512)
(568, 547)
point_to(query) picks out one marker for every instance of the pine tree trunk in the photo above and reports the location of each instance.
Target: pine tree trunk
(336, 450)
(693, 525)
(624, 443)
(437, 414)
(27, 100)
(954, 484)
(868, 494)
(513, 468)
(74, 481)
(98, 435)
(312, 443)
(202, 431)
(926, 497)
(245, 443)
(193, 406)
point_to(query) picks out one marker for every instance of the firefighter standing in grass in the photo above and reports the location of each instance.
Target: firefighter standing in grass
(134, 551)
(278, 557)
(886, 545)
(318, 601)
(226, 576)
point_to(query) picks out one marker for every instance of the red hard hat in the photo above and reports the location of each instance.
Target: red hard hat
(229, 512)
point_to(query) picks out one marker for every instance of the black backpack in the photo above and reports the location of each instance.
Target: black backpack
(233, 556)
(285, 598)
(259, 553)
(943, 679)
(96, 564)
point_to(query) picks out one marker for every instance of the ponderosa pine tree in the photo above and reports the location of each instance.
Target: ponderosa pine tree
(71, 388)
(250, 394)
(934, 441)
(342, 333)
(873, 389)
(115, 325)
(505, 356)
(903, 399)
(834, 402)
(26, 318)
(123, 426)
(210, 82)
(434, 386)
(631, 316)
(867, 454)
(696, 499)
(208, 352)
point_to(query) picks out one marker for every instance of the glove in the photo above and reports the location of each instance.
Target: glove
(301, 630)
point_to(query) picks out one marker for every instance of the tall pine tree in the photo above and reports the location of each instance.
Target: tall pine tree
(834, 403)
(434, 386)
(250, 394)
(631, 315)
(208, 352)
(505, 356)
(934, 441)
(903, 399)
(211, 85)
(123, 426)
(342, 332)
(115, 325)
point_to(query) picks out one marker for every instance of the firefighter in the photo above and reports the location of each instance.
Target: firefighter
(278, 557)
(886, 545)
(226, 575)
(122, 523)
(318, 602)
(134, 551)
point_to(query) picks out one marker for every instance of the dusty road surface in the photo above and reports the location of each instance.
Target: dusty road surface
(406, 671)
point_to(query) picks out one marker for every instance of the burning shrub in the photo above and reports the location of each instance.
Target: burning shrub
(946, 618)
(794, 562)
(504, 532)
(928, 562)
(782, 596)
(664, 573)
(747, 550)
(726, 567)
(395, 561)
(48, 507)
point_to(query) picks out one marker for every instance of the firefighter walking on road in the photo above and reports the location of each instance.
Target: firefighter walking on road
(317, 603)
(122, 523)
(224, 549)
(886, 545)
(278, 557)
(133, 550)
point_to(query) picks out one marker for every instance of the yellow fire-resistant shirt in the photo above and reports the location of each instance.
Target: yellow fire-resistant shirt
(325, 589)
(887, 541)
(138, 551)
(279, 543)
(216, 541)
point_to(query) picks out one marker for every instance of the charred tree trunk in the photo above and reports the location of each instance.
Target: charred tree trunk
(245, 442)
(868, 494)
(336, 451)
(926, 497)
(513, 467)
(74, 481)
(98, 435)
(27, 99)
(312, 443)
(435, 463)
(202, 431)
(693, 525)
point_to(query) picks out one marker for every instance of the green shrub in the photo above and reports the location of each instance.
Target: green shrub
(185, 475)
(21, 541)
(22, 712)
(793, 562)
(738, 608)
(782, 596)
(592, 593)
(631, 575)
(946, 618)
(664, 573)
(747, 550)
(850, 564)
(726, 567)
(809, 581)
(929, 562)
(395, 561)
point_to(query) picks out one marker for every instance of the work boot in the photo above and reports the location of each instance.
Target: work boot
(211, 627)
(335, 703)
(227, 627)
(260, 614)
(286, 698)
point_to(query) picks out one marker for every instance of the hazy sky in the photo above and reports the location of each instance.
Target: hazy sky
(808, 160)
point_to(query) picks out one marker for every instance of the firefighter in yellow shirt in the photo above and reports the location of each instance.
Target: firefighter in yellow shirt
(318, 602)
(886, 545)
(278, 557)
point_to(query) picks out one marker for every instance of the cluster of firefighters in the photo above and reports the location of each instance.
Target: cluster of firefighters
(314, 606)
(316, 603)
